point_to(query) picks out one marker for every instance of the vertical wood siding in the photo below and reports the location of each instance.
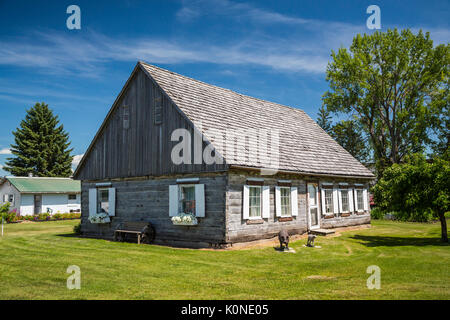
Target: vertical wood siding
(144, 149)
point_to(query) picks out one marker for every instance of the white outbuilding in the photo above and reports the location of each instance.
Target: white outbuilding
(34, 195)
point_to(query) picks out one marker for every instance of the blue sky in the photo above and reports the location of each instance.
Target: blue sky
(273, 50)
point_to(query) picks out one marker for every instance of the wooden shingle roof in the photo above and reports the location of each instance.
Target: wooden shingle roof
(303, 146)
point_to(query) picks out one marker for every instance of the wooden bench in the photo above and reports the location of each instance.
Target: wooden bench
(143, 230)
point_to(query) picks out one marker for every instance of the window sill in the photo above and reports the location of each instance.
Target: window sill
(255, 221)
(346, 214)
(329, 216)
(284, 219)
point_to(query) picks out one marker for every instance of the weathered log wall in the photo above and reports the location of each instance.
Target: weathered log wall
(147, 199)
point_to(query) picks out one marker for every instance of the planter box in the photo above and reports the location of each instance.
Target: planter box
(345, 215)
(193, 223)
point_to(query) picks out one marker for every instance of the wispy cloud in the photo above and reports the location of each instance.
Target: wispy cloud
(304, 48)
(76, 160)
(5, 151)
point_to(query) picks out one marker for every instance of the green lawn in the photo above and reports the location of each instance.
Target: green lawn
(414, 265)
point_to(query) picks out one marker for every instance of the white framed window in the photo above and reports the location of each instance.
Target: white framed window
(344, 202)
(254, 202)
(360, 199)
(8, 198)
(286, 201)
(102, 200)
(328, 201)
(361, 202)
(285, 197)
(187, 198)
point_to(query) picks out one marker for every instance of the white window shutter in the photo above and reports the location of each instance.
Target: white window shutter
(277, 201)
(5, 198)
(350, 199)
(245, 203)
(366, 207)
(200, 200)
(355, 196)
(335, 201)
(294, 201)
(266, 201)
(112, 201)
(92, 202)
(340, 200)
(322, 200)
(173, 200)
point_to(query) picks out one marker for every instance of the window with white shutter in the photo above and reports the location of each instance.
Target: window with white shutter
(187, 199)
(102, 200)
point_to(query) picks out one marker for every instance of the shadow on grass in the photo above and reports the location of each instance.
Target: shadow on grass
(70, 235)
(384, 241)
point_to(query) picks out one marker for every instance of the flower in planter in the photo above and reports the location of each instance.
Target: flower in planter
(99, 218)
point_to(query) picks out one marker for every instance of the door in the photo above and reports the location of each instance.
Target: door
(37, 204)
(313, 206)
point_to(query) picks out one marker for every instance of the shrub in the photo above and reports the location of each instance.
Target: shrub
(377, 214)
(77, 228)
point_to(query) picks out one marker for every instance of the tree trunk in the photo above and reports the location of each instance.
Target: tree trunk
(444, 236)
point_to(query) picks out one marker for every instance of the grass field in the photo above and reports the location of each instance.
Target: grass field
(414, 265)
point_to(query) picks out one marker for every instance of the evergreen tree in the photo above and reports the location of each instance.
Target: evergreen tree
(41, 146)
(350, 136)
(323, 119)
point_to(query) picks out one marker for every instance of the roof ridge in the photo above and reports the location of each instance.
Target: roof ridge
(215, 86)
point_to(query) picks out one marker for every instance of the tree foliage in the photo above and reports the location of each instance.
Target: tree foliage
(324, 119)
(348, 133)
(387, 80)
(41, 146)
(415, 189)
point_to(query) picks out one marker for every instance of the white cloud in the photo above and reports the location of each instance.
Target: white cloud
(5, 151)
(304, 47)
(76, 160)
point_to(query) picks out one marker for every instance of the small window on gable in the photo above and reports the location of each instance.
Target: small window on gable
(126, 117)
(157, 110)
(103, 200)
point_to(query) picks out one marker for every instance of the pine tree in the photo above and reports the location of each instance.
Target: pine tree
(41, 146)
(323, 119)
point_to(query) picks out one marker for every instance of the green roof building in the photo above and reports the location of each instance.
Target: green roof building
(34, 195)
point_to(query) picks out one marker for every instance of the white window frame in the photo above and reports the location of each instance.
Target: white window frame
(290, 202)
(260, 202)
(357, 208)
(324, 190)
(344, 191)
